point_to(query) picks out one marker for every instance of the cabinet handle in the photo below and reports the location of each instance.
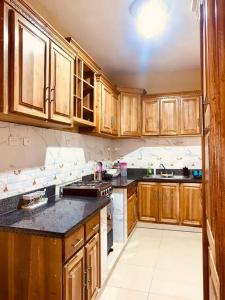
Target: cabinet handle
(85, 279)
(78, 242)
(89, 270)
(47, 89)
(53, 97)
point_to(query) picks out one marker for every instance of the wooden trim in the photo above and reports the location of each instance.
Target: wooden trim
(131, 91)
(184, 93)
(83, 55)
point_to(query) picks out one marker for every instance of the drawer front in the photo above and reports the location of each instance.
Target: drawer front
(73, 242)
(132, 189)
(92, 226)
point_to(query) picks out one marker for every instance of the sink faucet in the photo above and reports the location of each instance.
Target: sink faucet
(162, 165)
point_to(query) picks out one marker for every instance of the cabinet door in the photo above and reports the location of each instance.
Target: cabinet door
(150, 117)
(74, 278)
(115, 115)
(130, 119)
(29, 65)
(131, 213)
(61, 93)
(190, 115)
(169, 203)
(148, 202)
(169, 124)
(106, 114)
(93, 267)
(190, 203)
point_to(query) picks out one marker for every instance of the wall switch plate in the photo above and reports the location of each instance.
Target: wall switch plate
(26, 141)
(14, 141)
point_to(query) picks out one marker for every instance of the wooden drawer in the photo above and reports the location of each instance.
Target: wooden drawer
(132, 189)
(73, 242)
(92, 226)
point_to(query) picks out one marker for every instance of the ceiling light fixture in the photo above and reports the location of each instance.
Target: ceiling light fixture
(151, 16)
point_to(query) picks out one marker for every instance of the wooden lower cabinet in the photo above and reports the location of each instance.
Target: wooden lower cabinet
(131, 213)
(169, 203)
(148, 202)
(190, 201)
(74, 278)
(43, 271)
(93, 267)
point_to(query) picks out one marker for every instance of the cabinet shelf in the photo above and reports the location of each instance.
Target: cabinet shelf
(88, 109)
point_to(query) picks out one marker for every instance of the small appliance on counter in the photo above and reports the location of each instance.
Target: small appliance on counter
(186, 172)
(34, 200)
(197, 174)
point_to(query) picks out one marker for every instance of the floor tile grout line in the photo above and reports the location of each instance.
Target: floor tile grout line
(167, 229)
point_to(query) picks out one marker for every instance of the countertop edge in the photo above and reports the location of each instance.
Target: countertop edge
(51, 234)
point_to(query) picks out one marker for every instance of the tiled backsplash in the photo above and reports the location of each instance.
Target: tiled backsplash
(53, 157)
(173, 153)
(56, 157)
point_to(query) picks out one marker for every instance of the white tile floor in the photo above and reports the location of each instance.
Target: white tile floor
(158, 265)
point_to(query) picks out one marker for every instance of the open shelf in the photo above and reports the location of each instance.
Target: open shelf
(84, 85)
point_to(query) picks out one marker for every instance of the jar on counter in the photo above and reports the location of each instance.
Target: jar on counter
(123, 169)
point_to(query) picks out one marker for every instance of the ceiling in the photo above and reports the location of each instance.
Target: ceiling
(106, 30)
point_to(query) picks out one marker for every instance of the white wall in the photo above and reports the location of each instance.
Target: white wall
(161, 82)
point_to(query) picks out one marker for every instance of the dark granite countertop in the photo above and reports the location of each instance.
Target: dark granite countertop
(56, 219)
(124, 182)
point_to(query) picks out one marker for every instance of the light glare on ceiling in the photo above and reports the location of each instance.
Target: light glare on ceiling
(152, 18)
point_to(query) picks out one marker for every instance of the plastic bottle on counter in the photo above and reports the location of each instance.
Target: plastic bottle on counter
(123, 169)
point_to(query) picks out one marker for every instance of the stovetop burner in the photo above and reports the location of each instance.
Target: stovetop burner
(88, 188)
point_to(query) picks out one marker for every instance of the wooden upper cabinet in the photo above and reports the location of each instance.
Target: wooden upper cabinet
(115, 115)
(61, 89)
(190, 115)
(150, 116)
(148, 202)
(130, 112)
(106, 111)
(29, 68)
(93, 267)
(169, 203)
(169, 122)
(190, 202)
(74, 278)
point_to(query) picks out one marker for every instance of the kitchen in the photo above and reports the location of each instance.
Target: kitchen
(111, 170)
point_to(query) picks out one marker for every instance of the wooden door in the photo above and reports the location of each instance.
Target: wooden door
(169, 203)
(29, 68)
(190, 115)
(130, 119)
(93, 267)
(115, 115)
(169, 119)
(150, 116)
(190, 204)
(61, 91)
(148, 202)
(74, 278)
(106, 111)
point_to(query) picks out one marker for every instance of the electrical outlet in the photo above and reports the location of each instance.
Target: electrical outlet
(26, 141)
(14, 141)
